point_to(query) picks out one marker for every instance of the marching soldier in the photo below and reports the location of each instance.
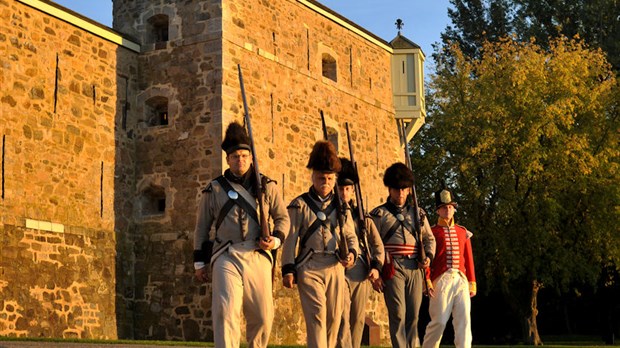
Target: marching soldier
(451, 279)
(367, 267)
(402, 278)
(314, 234)
(240, 261)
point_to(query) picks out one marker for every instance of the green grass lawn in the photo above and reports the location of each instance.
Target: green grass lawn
(549, 342)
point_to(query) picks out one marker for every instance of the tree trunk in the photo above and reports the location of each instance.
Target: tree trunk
(532, 337)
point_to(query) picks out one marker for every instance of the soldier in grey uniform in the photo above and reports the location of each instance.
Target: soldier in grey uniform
(310, 253)
(402, 276)
(367, 267)
(240, 260)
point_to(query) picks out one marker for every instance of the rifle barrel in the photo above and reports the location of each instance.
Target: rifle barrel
(414, 196)
(265, 233)
(360, 202)
(341, 211)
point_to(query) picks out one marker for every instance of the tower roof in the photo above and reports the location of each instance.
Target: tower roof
(401, 42)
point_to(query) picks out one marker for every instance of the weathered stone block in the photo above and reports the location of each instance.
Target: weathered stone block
(9, 100)
(37, 93)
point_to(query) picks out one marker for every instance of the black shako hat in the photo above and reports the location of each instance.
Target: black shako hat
(324, 158)
(347, 175)
(236, 138)
(444, 197)
(398, 176)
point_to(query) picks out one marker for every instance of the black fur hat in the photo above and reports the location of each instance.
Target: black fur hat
(236, 139)
(398, 176)
(347, 175)
(324, 158)
(444, 197)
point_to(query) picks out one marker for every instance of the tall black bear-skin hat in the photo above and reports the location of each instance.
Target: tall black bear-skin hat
(324, 158)
(398, 176)
(236, 138)
(347, 175)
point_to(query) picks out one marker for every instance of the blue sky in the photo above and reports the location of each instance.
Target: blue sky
(424, 19)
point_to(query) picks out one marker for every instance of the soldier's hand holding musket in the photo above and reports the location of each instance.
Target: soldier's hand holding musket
(425, 264)
(268, 243)
(348, 262)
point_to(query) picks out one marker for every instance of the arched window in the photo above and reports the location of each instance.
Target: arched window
(158, 30)
(329, 67)
(156, 111)
(153, 201)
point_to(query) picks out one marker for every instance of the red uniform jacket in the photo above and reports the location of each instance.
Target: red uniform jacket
(465, 255)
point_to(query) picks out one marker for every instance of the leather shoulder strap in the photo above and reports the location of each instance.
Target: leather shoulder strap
(317, 222)
(239, 201)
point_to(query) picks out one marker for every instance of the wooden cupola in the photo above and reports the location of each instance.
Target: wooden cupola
(408, 83)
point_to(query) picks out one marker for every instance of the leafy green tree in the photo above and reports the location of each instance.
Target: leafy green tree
(474, 21)
(596, 21)
(477, 21)
(528, 137)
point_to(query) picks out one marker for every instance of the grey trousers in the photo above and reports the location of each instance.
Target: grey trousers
(242, 279)
(322, 286)
(403, 298)
(359, 288)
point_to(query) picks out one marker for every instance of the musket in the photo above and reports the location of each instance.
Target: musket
(264, 221)
(361, 212)
(343, 248)
(414, 196)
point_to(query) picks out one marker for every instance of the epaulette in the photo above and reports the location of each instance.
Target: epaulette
(294, 204)
(468, 233)
(209, 188)
(369, 219)
(376, 212)
(422, 215)
(266, 180)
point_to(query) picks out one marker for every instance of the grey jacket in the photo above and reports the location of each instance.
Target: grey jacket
(237, 225)
(384, 220)
(301, 244)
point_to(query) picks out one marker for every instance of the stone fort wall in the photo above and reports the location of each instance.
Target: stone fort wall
(60, 175)
(102, 201)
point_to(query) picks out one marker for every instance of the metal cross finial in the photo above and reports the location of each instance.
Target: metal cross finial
(399, 25)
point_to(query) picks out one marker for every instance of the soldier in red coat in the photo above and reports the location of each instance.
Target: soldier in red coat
(451, 278)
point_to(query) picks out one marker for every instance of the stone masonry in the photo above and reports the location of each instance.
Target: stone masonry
(61, 176)
(105, 151)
